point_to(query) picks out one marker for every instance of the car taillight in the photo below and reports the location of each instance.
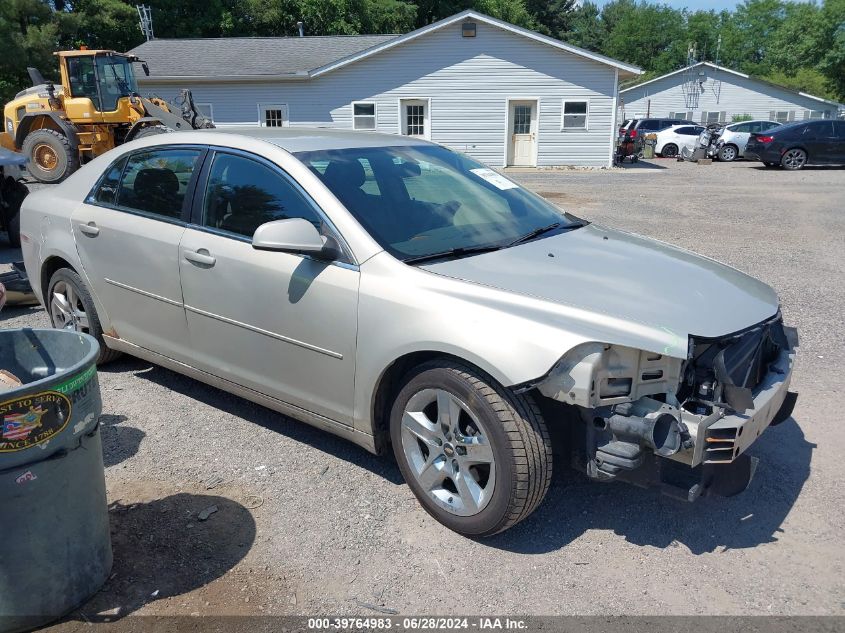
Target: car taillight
(765, 139)
(633, 134)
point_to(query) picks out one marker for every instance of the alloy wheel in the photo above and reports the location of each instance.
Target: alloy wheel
(728, 153)
(794, 159)
(67, 309)
(448, 452)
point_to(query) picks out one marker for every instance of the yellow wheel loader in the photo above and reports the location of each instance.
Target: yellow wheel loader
(96, 107)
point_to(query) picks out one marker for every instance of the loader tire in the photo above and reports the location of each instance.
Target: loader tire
(51, 156)
(152, 130)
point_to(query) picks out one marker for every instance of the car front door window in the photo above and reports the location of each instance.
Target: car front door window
(242, 194)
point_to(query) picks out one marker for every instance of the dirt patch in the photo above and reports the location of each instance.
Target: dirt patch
(180, 551)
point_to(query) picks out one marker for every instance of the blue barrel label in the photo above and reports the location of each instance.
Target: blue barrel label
(32, 419)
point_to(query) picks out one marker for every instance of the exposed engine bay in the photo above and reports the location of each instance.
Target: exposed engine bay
(683, 424)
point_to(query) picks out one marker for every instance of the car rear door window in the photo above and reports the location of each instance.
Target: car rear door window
(156, 181)
(686, 131)
(106, 192)
(242, 194)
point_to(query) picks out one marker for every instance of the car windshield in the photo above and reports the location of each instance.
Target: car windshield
(421, 200)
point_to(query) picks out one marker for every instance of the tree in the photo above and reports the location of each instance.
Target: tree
(553, 17)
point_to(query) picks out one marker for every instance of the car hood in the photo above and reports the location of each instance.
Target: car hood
(629, 278)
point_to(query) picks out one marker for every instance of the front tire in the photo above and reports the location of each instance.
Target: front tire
(477, 456)
(71, 307)
(51, 157)
(794, 159)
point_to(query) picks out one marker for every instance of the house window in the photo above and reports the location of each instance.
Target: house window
(415, 118)
(522, 119)
(363, 116)
(273, 115)
(818, 114)
(575, 115)
(713, 117)
(782, 116)
(205, 109)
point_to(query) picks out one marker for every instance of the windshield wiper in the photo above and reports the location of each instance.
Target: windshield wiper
(454, 253)
(544, 229)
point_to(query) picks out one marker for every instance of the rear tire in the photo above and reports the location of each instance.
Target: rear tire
(51, 157)
(794, 159)
(670, 150)
(728, 153)
(477, 456)
(71, 307)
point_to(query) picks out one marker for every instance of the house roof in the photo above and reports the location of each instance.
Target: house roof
(274, 58)
(249, 57)
(732, 72)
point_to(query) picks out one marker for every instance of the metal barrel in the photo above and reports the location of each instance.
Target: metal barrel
(56, 549)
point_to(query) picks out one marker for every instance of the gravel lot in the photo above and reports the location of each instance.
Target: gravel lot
(309, 524)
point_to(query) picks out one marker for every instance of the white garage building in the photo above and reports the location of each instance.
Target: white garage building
(707, 93)
(501, 93)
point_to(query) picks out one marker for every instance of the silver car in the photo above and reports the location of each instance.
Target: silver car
(408, 298)
(735, 137)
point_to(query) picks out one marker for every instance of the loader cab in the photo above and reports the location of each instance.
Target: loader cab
(95, 82)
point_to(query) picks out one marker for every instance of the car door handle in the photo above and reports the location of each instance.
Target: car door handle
(200, 257)
(90, 229)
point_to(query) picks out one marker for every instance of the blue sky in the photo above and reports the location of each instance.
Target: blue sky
(691, 4)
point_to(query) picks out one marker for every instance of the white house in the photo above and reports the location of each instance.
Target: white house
(707, 93)
(501, 93)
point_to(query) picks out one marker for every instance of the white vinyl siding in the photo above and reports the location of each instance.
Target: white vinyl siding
(467, 82)
(722, 91)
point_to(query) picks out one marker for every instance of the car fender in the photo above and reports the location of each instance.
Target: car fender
(515, 338)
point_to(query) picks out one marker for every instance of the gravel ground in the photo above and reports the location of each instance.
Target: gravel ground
(309, 524)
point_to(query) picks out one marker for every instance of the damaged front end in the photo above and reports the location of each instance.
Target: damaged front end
(683, 424)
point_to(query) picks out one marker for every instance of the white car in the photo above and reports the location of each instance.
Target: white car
(735, 137)
(673, 139)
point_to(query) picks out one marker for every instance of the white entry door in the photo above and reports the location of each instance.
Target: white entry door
(523, 121)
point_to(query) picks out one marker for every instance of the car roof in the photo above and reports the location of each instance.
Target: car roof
(303, 139)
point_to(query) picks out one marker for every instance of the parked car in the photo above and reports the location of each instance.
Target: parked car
(640, 127)
(735, 137)
(795, 145)
(408, 298)
(673, 139)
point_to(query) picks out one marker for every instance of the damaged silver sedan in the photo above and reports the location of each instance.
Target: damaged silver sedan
(408, 298)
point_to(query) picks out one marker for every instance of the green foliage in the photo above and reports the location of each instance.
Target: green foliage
(739, 118)
(800, 45)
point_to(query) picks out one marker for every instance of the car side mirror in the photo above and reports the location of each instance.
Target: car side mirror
(294, 235)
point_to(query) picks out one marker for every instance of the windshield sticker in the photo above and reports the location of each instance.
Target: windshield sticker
(495, 179)
(32, 420)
